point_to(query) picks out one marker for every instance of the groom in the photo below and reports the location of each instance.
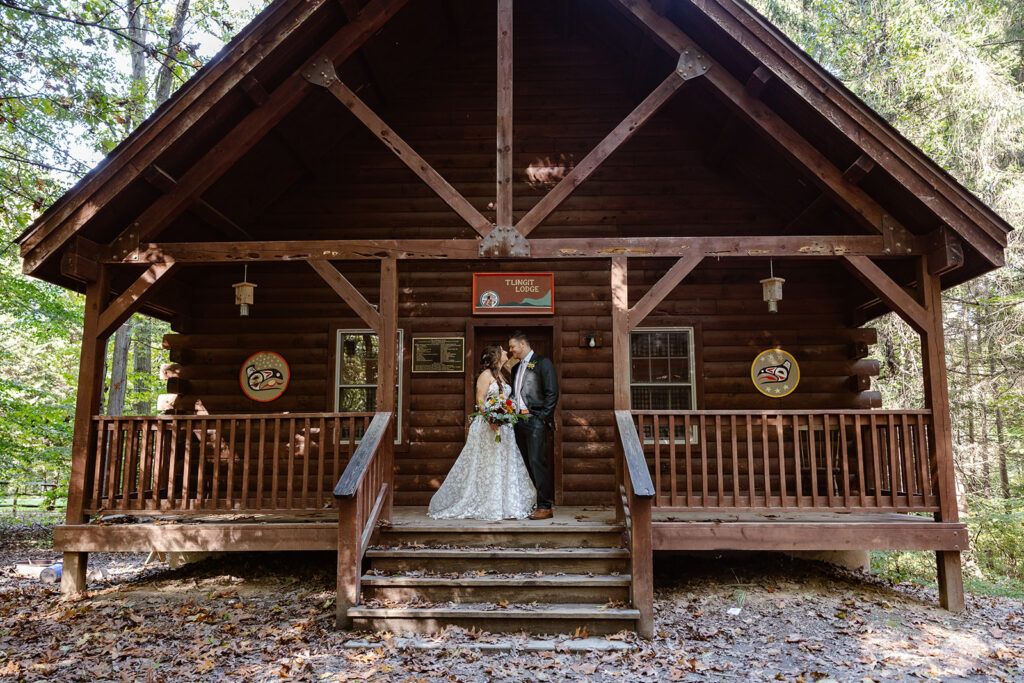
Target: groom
(535, 389)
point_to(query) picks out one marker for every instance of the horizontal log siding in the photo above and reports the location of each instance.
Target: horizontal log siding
(294, 311)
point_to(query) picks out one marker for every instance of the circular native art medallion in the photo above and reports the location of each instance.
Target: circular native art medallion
(489, 299)
(264, 376)
(775, 373)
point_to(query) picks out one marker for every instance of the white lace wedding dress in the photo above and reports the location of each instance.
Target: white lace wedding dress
(489, 480)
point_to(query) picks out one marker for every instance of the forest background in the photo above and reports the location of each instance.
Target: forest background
(76, 76)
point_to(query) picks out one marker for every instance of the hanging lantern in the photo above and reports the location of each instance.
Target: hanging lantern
(244, 293)
(772, 289)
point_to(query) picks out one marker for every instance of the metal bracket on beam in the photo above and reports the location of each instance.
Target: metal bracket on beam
(126, 243)
(692, 63)
(504, 241)
(320, 71)
(896, 239)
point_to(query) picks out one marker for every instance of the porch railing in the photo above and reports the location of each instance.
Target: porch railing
(219, 463)
(843, 460)
(364, 493)
(633, 493)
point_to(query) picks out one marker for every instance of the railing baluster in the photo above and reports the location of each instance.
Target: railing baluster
(276, 469)
(798, 466)
(201, 482)
(907, 455)
(159, 463)
(336, 445)
(673, 472)
(146, 465)
(656, 431)
(877, 460)
(261, 459)
(735, 463)
(921, 453)
(718, 461)
(102, 445)
(172, 464)
(829, 472)
(246, 467)
(114, 465)
(751, 479)
(783, 492)
(846, 460)
(320, 466)
(186, 475)
(764, 457)
(307, 451)
(861, 456)
(291, 463)
(812, 455)
(217, 453)
(894, 464)
(230, 499)
(689, 463)
(702, 426)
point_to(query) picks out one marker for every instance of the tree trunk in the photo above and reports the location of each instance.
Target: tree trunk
(143, 366)
(119, 371)
(165, 77)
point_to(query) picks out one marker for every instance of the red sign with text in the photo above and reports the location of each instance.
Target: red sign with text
(513, 293)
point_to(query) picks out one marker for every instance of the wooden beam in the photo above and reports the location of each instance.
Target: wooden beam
(875, 279)
(80, 259)
(662, 288)
(812, 246)
(615, 139)
(165, 182)
(251, 129)
(783, 136)
(503, 204)
(321, 72)
(758, 80)
(349, 294)
(197, 537)
(945, 251)
(854, 174)
(132, 298)
(367, 54)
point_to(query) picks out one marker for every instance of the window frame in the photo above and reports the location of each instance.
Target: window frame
(692, 367)
(339, 333)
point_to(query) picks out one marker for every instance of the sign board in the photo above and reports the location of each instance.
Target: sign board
(264, 376)
(438, 354)
(513, 293)
(775, 373)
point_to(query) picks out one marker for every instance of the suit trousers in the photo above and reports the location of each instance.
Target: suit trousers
(532, 439)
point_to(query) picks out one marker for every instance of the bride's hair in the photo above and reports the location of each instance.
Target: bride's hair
(490, 359)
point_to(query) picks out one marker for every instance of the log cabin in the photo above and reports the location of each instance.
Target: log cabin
(380, 169)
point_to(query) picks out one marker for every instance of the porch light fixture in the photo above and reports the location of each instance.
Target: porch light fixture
(244, 293)
(772, 287)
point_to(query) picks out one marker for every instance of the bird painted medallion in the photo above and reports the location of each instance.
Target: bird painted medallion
(264, 376)
(775, 373)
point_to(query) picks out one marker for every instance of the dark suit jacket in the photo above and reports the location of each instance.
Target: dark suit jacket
(540, 389)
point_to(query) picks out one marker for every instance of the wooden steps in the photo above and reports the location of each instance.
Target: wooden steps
(501, 577)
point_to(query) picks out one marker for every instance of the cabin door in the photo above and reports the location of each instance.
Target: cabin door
(541, 342)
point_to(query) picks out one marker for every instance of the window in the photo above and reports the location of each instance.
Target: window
(355, 386)
(662, 374)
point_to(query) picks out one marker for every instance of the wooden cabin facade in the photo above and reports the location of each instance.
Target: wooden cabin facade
(360, 162)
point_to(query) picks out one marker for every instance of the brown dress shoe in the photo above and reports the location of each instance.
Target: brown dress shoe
(542, 513)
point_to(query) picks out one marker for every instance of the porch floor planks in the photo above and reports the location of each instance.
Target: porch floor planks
(672, 530)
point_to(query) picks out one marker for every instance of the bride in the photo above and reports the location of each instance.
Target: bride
(489, 480)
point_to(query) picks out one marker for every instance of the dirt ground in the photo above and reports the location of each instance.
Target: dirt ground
(269, 617)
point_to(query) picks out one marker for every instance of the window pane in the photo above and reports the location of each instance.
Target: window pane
(640, 345)
(359, 359)
(357, 400)
(679, 344)
(679, 369)
(661, 398)
(641, 370)
(659, 344)
(659, 370)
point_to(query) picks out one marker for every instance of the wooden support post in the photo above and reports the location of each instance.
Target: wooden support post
(349, 559)
(620, 332)
(87, 404)
(642, 561)
(73, 571)
(936, 396)
(387, 365)
(503, 213)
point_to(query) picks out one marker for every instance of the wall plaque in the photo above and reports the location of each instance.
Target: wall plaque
(264, 376)
(513, 293)
(775, 373)
(438, 354)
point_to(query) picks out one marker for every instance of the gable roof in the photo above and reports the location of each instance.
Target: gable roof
(276, 41)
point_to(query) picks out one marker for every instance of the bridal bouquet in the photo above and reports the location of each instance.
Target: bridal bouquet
(499, 410)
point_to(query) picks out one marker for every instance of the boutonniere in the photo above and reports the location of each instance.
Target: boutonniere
(529, 366)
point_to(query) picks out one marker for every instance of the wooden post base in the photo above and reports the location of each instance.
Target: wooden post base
(951, 580)
(72, 578)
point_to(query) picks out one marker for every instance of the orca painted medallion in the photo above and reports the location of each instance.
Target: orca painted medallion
(775, 373)
(264, 376)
